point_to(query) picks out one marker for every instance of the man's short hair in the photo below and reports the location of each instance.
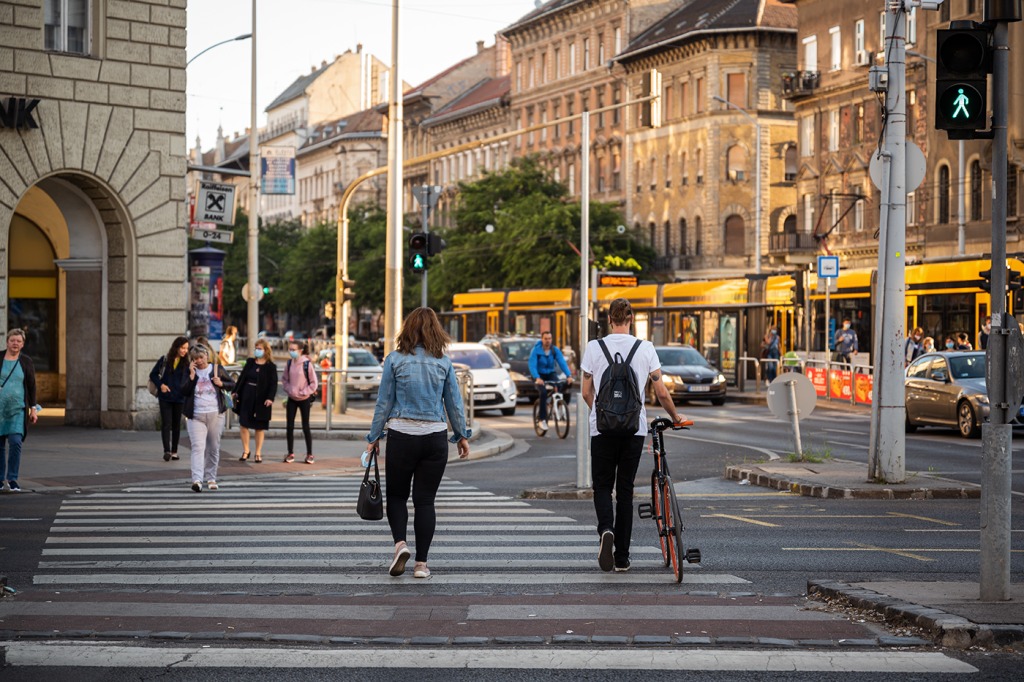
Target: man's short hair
(546, 331)
(620, 311)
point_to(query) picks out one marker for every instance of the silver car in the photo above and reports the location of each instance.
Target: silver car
(947, 389)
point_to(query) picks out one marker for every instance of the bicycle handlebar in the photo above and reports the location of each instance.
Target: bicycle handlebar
(662, 423)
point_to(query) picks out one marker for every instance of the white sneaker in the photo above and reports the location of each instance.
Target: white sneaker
(544, 425)
(212, 485)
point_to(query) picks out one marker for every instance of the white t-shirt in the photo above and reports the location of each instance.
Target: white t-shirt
(206, 393)
(645, 361)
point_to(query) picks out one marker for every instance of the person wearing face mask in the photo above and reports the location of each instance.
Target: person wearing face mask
(255, 391)
(913, 348)
(928, 345)
(299, 382)
(770, 351)
(845, 342)
(204, 409)
(962, 343)
(950, 343)
(986, 329)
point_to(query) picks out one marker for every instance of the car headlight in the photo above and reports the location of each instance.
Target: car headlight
(720, 379)
(517, 376)
(982, 399)
(670, 380)
(506, 384)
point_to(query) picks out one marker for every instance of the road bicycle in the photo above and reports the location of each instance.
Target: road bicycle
(664, 505)
(558, 411)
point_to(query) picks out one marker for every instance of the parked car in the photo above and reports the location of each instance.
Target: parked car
(364, 373)
(688, 376)
(515, 350)
(948, 389)
(493, 388)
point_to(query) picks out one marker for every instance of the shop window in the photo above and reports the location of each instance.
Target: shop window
(32, 292)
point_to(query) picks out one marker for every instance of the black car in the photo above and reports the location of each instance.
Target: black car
(688, 376)
(515, 350)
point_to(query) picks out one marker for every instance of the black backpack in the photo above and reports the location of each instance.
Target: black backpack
(618, 402)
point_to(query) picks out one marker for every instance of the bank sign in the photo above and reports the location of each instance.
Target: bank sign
(17, 112)
(215, 203)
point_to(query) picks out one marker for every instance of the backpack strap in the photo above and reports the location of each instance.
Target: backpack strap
(632, 352)
(607, 355)
(305, 371)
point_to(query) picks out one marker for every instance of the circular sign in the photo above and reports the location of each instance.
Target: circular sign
(914, 162)
(245, 292)
(779, 395)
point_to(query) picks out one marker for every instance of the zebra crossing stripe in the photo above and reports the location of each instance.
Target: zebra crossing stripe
(595, 577)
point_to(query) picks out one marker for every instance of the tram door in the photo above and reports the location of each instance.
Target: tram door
(493, 322)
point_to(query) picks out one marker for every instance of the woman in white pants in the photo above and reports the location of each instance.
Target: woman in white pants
(204, 408)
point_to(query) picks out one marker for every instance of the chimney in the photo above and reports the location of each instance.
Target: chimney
(323, 63)
(479, 46)
(359, 48)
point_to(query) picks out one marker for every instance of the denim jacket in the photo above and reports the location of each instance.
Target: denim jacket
(419, 386)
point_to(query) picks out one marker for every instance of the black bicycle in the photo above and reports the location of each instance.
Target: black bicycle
(664, 506)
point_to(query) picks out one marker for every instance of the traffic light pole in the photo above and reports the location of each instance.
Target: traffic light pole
(426, 231)
(997, 434)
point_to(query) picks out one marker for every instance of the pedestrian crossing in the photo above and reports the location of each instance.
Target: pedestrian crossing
(304, 531)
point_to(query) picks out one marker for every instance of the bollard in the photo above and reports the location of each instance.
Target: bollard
(794, 413)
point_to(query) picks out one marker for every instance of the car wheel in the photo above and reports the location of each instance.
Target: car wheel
(718, 402)
(965, 420)
(508, 411)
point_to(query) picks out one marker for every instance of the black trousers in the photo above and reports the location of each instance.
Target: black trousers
(303, 408)
(613, 464)
(170, 424)
(415, 462)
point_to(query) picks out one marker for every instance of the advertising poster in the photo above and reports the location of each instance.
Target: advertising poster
(864, 385)
(727, 340)
(840, 384)
(817, 377)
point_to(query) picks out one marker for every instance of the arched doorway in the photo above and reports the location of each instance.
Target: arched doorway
(32, 303)
(735, 236)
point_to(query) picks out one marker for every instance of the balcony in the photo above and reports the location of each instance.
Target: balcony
(796, 84)
(787, 242)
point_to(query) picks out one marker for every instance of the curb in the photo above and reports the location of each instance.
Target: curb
(946, 629)
(566, 491)
(880, 492)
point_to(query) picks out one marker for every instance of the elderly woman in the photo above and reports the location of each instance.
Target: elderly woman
(17, 406)
(417, 388)
(204, 408)
(255, 389)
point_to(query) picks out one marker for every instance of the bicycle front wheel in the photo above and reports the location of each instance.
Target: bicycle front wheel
(561, 414)
(674, 529)
(536, 419)
(658, 512)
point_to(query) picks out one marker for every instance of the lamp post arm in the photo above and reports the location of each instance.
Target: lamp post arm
(244, 36)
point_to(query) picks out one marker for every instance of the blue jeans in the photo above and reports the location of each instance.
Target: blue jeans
(542, 412)
(11, 456)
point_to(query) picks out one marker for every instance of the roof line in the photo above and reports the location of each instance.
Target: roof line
(704, 31)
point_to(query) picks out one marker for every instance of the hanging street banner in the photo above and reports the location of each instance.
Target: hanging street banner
(215, 203)
(277, 170)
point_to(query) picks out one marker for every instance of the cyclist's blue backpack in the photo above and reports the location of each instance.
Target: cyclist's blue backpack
(618, 403)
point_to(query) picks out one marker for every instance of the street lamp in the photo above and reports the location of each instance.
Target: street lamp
(252, 321)
(244, 36)
(757, 180)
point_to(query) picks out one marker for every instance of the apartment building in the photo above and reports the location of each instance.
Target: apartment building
(92, 177)
(691, 188)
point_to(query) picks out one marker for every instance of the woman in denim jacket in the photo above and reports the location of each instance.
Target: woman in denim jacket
(418, 387)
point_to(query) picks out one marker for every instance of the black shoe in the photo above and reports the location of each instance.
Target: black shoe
(604, 556)
(197, 486)
(622, 566)
(167, 457)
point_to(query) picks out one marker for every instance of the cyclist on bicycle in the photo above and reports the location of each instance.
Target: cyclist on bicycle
(543, 358)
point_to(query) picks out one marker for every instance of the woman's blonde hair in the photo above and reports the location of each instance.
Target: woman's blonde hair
(422, 328)
(268, 352)
(17, 332)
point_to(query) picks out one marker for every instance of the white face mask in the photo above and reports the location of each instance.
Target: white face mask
(846, 325)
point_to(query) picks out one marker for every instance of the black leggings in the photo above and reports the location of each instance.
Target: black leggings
(303, 407)
(419, 461)
(170, 424)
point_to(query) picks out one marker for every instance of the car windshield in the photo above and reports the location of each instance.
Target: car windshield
(967, 367)
(518, 350)
(475, 358)
(361, 358)
(681, 356)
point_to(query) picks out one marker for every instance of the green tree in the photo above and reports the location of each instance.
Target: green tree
(367, 229)
(308, 276)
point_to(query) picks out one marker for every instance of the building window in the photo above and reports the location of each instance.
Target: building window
(698, 236)
(529, 73)
(66, 26)
(836, 39)
(810, 53)
(654, 177)
(858, 36)
(668, 238)
(586, 53)
(736, 89)
(519, 76)
(975, 190)
(544, 130)
(570, 111)
(911, 208)
(735, 236)
(736, 163)
(684, 172)
(807, 136)
(790, 161)
(943, 195)
(617, 99)
(599, 90)
(556, 113)
(543, 75)
(684, 98)
(652, 230)
(558, 63)
(809, 213)
(570, 180)
(666, 104)
(636, 174)
(700, 166)
(699, 103)
(668, 171)
(682, 236)
(599, 172)
(858, 214)
(616, 171)
(858, 124)
(618, 40)
(971, 6)
(837, 212)
(833, 130)
(600, 51)
(572, 58)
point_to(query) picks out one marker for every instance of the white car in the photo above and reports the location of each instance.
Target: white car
(493, 388)
(364, 372)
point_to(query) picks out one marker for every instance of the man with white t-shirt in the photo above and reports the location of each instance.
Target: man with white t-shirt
(614, 459)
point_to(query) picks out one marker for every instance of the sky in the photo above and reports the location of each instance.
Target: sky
(293, 35)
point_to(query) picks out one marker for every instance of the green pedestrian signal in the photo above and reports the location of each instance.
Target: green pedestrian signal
(963, 61)
(418, 262)
(419, 249)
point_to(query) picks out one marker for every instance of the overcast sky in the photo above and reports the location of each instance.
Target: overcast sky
(293, 35)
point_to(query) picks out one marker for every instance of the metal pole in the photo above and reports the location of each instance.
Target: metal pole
(426, 230)
(252, 319)
(794, 413)
(876, 342)
(997, 433)
(757, 203)
(582, 416)
(961, 203)
(889, 365)
(393, 249)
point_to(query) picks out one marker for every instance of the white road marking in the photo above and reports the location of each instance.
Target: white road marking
(381, 578)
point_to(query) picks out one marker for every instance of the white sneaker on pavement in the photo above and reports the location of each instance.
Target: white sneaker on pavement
(544, 425)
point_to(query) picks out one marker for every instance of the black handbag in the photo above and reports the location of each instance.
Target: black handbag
(370, 505)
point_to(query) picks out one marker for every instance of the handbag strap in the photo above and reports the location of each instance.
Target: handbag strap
(376, 471)
(13, 367)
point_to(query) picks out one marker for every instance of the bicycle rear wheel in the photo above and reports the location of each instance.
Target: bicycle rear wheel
(536, 419)
(657, 511)
(674, 529)
(561, 414)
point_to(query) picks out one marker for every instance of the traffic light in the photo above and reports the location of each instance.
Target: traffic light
(963, 62)
(329, 310)
(435, 244)
(268, 290)
(419, 249)
(986, 280)
(346, 289)
(1013, 282)
(650, 110)
(797, 297)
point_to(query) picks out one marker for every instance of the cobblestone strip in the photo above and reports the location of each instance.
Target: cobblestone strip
(874, 492)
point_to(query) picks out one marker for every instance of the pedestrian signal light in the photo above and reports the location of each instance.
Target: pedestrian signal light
(419, 249)
(268, 290)
(963, 62)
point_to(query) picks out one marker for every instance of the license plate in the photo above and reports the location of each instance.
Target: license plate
(485, 396)
(698, 388)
